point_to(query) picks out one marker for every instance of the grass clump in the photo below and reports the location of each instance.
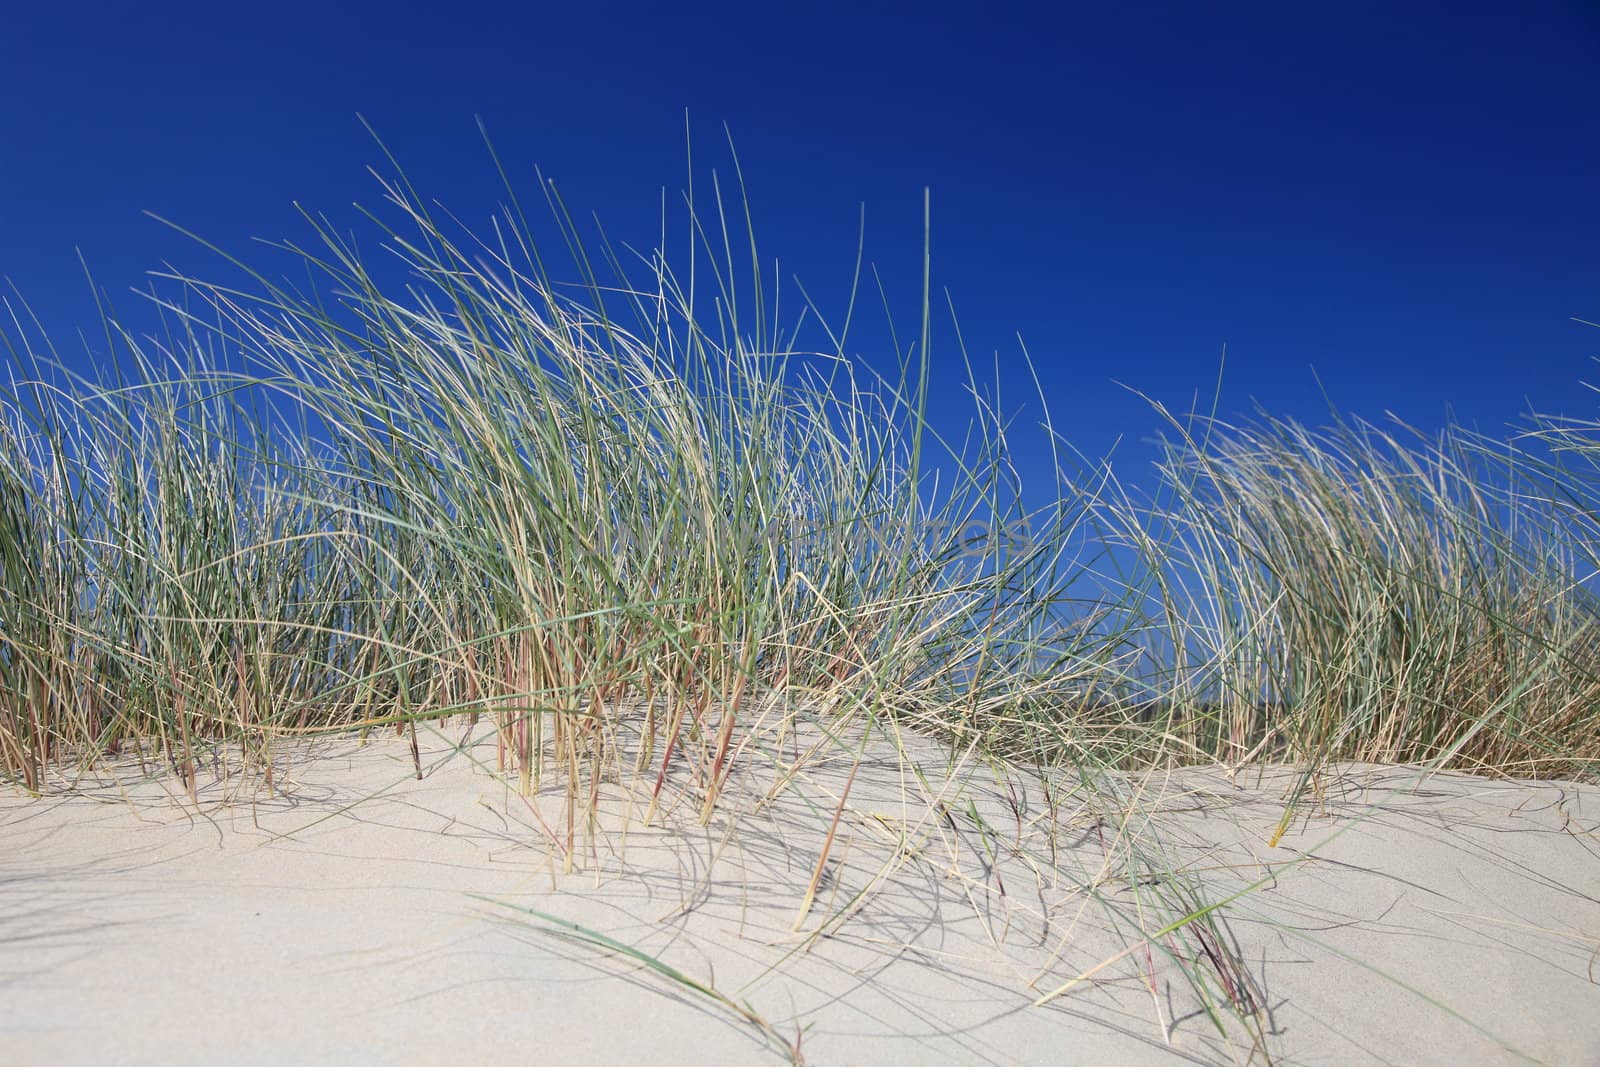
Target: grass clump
(481, 491)
(1355, 594)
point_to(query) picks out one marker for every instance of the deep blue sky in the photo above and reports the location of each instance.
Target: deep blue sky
(1401, 196)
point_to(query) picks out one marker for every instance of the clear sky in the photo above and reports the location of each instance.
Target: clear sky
(1400, 196)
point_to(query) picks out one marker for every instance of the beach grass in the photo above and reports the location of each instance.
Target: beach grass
(618, 510)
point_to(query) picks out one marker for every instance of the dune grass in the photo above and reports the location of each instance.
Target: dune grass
(480, 495)
(1363, 594)
(623, 513)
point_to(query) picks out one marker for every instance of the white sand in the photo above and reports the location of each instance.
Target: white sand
(335, 920)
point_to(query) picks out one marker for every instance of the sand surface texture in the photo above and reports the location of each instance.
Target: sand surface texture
(355, 914)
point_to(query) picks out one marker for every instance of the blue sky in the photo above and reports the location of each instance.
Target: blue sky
(1400, 196)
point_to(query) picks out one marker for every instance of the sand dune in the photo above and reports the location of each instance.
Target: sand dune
(354, 913)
